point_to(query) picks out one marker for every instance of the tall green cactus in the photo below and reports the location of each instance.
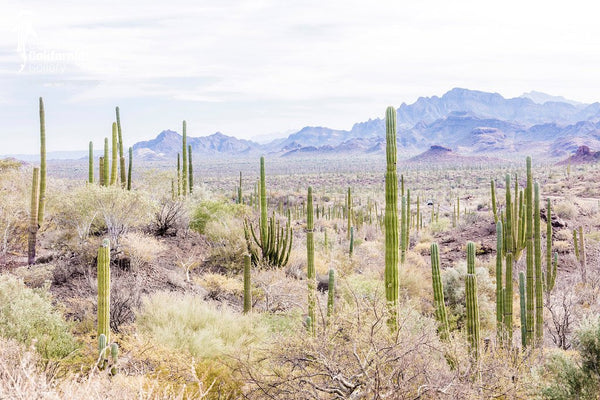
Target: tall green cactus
(91, 163)
(106, 163)
(115, 152)
(33, 218)
(239, 191)
(522, 302)
(129, 168)
(184, 172)
(403, 231)
(473, 333)
(348, 212)
(104, 289)
(438, 293)
(331, 293)
(530, 254)
(391, 216)
(310, 259)
(101, 171)
(576, 245)
(247, 285)
(42, 192)
(494, 208)
(508, 223)
(471, 258)
(190, 170)
(178, 175)
(508, 299)
(121, 156)
(551, 267)
(263, 201)
(499, 286)
(537, 247)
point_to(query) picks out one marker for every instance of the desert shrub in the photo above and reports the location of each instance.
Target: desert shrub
(13, 213)
(36, 277)
(170, 217)
(576, 377)
(453, 280)
(220, 286)
(76, 211)
(565, 209)
(141, 249)
(211, 210)
(28, 316)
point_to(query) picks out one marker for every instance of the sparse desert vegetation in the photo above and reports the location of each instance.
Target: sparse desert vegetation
(296, 280)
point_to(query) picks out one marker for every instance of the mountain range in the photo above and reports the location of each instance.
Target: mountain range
(471, 122)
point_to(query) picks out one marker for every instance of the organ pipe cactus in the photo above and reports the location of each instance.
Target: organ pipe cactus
(184, 172)
(178, 174)
(121, 156)
(190, 170)
(247, 285)
(331, 293)
(391, 216)
(537, 247)
(551, 266)
(310, 257)
(530, 254)
(42, 191)
(115, 152)
(473, 334)
(494, 208)
(438, 293)
(499, 287)
(470, 258)
(101, 172)
(351, 250)
(349, 212)
(33, 218)
(274, 242)
(508, 299)
(91, 163)
(522, 302)
(104, 289)
(106, 163)
(129, 168)
(403, 231)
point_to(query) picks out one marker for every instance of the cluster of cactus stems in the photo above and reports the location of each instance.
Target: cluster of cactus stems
(104, 350)
(38, 191)
(310, 260)
(438, 293)
(274, 242)
(391, 217)
(580, 252)
(519, 228)
(331, 293)
(103, 273)
(114, 170)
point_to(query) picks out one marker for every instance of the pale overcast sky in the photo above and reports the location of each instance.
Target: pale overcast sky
(250, 68)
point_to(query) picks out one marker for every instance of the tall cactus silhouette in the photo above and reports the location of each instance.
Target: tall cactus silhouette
(42, 192)
(331, 294)
(494, 208)
(190, 170)
(106, 163)
(91, 163)
(499, 286)
(530, 254)
(508, 299)
(537, 247)
(129, 168)
(310, 257)
(121, 155)
(391, 216)
(104, 289)
(115, 155)
(33, 220)
(184, 172)
(438, 293)
(522, 302)
(473, 333)
(551, 266)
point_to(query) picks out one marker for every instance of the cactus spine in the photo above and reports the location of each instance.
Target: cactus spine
(91, 163)
(247, 285)
(391, 216)
(129, 168)
(331, 293)
(33, 218)
(438, 293)
(190, 170)
(42, 192)
(184, 175)
(115, 152)
(104, 289)
(537, 247)
(310, 257)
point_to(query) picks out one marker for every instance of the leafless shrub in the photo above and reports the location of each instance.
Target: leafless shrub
(170, 217)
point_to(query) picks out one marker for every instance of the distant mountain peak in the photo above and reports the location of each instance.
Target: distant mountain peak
(541, 98)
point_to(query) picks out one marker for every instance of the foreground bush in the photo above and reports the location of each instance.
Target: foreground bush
(28, 316)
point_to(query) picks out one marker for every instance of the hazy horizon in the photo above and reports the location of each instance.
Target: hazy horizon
(253, 69)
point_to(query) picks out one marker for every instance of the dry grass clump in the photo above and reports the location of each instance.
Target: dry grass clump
(141, 249)
(565, 209)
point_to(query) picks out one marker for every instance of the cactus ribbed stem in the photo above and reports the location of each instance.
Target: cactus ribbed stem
(522, 302)
(348, 213)
(91, 163)
(310, 257)
(121, 156)
(576, 245)
(550, 271)
(473, 334)
(104, 289)
(42, 192)
(537, 247)
(184, 172)
(247, 285)
(470, 258)
(129, 168)
(115, 152)
(508, 299)
(403, 231)
(33, 217)
(106, 163)
(239, 198)
(263, 201)
(351, 250)
(101, 171)
(190, 170)
(438, 293)
(530, 254)
(509, 221)
(494, 209)
(391, 216)
(178, 175)
(499, 286)
(331, 294)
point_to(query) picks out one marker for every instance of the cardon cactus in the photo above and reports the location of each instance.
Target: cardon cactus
(42, 191)
(537, 248)
(551, 266)
(530, 254)
(438, 293)
(184, 172)
(391, 215)
(522, 302)
(473, 334)
(121, 156)
(104, 289)
(91, 163)
(499, 287)
(129, 168)
(331, 294)
(190, 170)
(115, 155)
(310, 257)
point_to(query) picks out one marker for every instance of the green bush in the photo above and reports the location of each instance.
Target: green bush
(28, 316)
(209, 211)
